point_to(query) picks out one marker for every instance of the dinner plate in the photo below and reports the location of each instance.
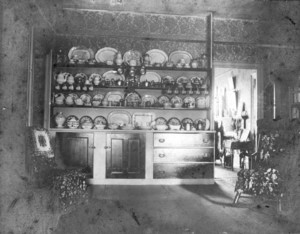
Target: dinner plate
(86, 122)
(132, 55)
(143, 120)
(150, 76)
(86, 98)
(119, 117)
(205, 123)
(187, 120)
(95, 77)
(157, 56)
(72, 121)
(182, 80)
(149, 98)
(100, 120)
(160, 121)
(109, 75)
(80, 78)
(189, 99)
(197, 80)
(98, 97)
(163, 99)
(114, 96)
(176, 99)
(106, 54)
(80, 53)
(176, 57)
(174, 121)
(168, 79)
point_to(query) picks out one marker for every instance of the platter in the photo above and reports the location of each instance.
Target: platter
(143, 120)
(100, 120)
(114, 96)
(150, 76)
(160, 121)
(163, 99)
(113, 75)
(157, 56)
(182, 80)
(132, 55)
(106, 54)
(119, 117)
(176, 99)
(177, 56)
(80, 54)
(72, 121)
(86, 122)
(149, 98)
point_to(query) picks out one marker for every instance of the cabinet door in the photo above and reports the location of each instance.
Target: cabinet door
(125, 156)
(76, 149)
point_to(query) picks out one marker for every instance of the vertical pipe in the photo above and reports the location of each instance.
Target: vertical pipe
(30, 79)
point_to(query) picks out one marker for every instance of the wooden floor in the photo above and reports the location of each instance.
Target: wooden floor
(169, 209)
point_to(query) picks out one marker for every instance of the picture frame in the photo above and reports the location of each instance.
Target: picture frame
(41, 142)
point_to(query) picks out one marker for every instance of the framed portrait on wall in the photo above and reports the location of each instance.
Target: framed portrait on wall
(41, 142)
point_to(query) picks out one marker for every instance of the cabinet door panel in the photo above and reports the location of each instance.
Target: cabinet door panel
(117, 150)
(183, 171)
(162, 155)
(134, 155)
(76, 149)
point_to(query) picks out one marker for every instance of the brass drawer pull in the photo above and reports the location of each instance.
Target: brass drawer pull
(161, 155)
(161, 140)
(107, 147)
(205, 141)
(92, 147)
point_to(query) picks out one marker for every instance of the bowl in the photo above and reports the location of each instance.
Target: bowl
(175, 127)
(178, 105)
(96, 103)
(87, 125)
(100, 126)
(113, 126)
(167, 105)
(161, 127)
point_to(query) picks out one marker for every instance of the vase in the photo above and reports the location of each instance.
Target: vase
(60, 120)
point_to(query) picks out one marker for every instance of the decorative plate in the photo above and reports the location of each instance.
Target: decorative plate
(149, 98)
(80, 78)
(157, 56)
(197, 80)
(132, 55)
(167, 79)
(189, 99)
(160, 121)
(106, 54)
(113, 75)
(114, 96)
(163, 99)
(133, 97)
(182, 80)
(150, 76)
(98, 97)
(143, 120)
(72, 121)
(201, 102)
(86, 122)
(176, 57)
(187, 120)
(95, 77)
(100, 120)
(80, 53)
(86, 98)
(176, 99)
(119, 117)
(205, 123)
(174, 121)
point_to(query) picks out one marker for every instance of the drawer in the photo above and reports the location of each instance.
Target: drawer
(183, 171)
(183, 139)
(162, 155)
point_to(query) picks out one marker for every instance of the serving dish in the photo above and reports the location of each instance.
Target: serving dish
(113, 75)
(143, 120)
(86, 122)
(181, 57)
(132, 55)
(72, 121)
(119, 117)
(176, 99)
(106, 54)
(80, 54)
(114, 96)
(150, 76)
(157, 56)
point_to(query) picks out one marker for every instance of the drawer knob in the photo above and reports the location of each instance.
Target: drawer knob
(161, 140)
(205, 140)
(107, 147)
(161, 155)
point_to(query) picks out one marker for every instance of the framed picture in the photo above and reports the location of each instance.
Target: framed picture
(41, 142)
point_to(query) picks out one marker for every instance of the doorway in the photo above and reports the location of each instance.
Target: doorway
(235, 114)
